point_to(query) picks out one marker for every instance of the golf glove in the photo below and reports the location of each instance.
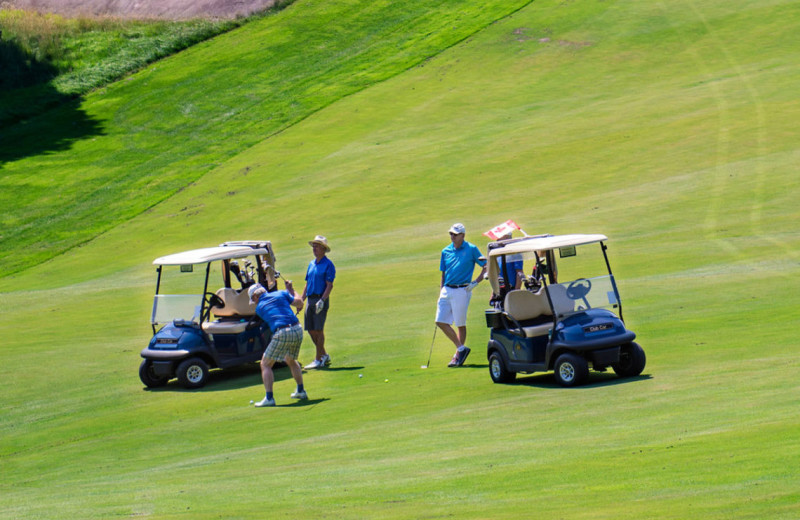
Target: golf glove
(320, 305)
(472, 285)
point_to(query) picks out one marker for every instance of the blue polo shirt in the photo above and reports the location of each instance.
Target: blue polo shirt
(318, 274)
(510, 272)
(459, 264)
(275, 308)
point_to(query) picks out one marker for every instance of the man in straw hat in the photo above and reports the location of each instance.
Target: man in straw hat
(319, 284)
(457, 265)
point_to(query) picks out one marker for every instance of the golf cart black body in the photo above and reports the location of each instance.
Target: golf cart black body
(208, 330)
(547, 325)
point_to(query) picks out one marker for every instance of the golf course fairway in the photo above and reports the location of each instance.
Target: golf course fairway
(669, 126)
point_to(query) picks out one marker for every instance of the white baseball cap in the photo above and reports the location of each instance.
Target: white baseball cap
(253, 288)
(458, 228)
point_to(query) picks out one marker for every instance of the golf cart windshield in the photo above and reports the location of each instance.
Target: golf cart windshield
(169, 307)
(584, 293)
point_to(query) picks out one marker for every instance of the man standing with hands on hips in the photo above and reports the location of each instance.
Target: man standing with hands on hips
(457, 265)
(319, 284)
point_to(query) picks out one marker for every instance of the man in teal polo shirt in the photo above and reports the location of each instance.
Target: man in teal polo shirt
(457, 265)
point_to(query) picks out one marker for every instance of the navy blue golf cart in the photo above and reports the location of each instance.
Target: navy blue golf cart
(196, 330)
(556, 322)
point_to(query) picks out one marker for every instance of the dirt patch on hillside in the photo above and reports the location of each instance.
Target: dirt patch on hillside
(163, 9)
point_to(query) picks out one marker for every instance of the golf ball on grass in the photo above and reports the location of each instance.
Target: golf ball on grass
(251, 401)
(360, 376)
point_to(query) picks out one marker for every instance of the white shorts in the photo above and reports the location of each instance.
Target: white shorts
(452, 307)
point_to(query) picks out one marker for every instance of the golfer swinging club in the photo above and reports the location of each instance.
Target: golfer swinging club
(457, 265)
(275, 308)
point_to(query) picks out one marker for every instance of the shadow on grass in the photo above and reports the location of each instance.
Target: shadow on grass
(299, 404)
(236, 378)
(338, 369)
(596, 379)
(54, 130)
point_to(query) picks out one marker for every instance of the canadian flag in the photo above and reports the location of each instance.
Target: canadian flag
(503, 229)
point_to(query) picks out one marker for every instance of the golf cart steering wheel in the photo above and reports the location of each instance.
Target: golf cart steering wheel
(579, 289)
(214, 300)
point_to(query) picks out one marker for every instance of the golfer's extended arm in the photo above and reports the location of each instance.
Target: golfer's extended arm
(298, 301)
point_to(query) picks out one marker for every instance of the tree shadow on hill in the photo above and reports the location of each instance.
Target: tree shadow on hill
(53, 131)
(34, 117)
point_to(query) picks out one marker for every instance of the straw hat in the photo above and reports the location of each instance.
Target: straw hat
(321, 240)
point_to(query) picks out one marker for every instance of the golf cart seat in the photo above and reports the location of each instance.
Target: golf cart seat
(237, 304)
(530, 313)
(224, 327)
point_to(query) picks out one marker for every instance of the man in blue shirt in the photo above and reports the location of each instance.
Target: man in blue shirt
(319, 284)
(513, 273)
(457, 265)
(275, 308)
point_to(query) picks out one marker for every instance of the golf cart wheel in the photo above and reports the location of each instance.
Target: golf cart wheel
(571, 370)
(631, 360)
(498, 370)
(193, 373)
(149, 377)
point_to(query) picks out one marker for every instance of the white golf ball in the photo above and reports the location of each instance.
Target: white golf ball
(360, 375)
(251, 401)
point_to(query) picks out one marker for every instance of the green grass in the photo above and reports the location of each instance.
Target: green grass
(49, 60)
(667, 126)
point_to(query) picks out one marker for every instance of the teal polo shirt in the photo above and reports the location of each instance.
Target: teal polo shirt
(459, 264)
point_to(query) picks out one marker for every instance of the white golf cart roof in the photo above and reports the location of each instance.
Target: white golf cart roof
(209, 254)
(529, 245)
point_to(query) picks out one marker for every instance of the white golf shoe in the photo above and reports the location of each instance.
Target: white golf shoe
(264, 403)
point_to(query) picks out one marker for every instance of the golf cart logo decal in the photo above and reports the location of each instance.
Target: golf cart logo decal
(598, 328)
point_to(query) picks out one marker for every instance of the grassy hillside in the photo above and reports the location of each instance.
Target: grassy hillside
(667, 126)
(162, 129)
(48, 60)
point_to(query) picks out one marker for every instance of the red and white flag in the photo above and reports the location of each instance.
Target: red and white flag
(502, 230)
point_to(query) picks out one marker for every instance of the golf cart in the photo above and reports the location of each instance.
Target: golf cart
(561, 325)
(194, 329)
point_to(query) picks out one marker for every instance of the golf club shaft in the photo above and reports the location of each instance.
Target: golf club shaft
(430, 353)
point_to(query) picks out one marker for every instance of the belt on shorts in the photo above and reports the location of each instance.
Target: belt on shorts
(457, 286)
(314, 295)
(285, 327)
